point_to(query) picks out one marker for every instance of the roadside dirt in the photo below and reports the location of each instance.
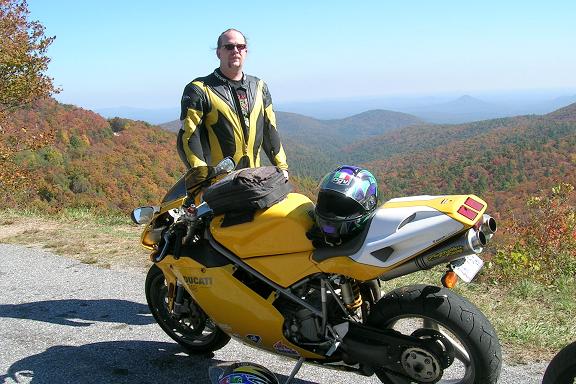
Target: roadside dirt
(107, 246)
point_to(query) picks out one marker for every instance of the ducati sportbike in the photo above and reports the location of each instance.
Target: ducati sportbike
(264, 282)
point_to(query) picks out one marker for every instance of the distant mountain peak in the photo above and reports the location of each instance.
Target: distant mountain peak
(381, 112)
(469, 100)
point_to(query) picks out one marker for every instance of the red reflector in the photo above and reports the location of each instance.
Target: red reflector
(468, 213)
(474, 204)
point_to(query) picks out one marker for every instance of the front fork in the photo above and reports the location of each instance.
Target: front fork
(178, 307)
(175, 296)
(170, 297)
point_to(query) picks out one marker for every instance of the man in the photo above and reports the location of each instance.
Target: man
(229, 113)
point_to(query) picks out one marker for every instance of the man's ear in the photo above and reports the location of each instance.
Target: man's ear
(218, 53)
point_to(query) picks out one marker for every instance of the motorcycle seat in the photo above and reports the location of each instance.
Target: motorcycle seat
(350, 247)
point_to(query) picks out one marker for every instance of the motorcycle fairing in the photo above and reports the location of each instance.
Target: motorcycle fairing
(285, 270)
(405, 227)
(280, 229)
(235, 308)
(153, 233)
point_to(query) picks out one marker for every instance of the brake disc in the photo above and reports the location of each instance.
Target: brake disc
(197, 318)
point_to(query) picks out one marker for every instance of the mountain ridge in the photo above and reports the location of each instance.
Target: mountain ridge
(371, 122)
(121, 163)
(434, 109)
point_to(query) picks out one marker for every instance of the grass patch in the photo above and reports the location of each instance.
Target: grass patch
(105, 241)
(89, 260)
(92, 216)
(536, 320)
(77, 215)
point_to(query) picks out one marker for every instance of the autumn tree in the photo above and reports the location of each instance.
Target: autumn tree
(23, 63)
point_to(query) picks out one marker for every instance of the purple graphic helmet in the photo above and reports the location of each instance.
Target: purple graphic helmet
(241, 373)
(347, 198)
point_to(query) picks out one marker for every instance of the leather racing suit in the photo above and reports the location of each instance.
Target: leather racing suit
(221, 118)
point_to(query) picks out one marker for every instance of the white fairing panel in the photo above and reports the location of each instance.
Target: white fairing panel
(407, 230)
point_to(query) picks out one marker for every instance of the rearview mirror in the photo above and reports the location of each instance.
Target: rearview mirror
(144, 215)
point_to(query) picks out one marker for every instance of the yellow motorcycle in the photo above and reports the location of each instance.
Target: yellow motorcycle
(285, 280)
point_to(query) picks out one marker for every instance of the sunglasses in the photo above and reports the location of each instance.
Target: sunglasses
(230, 47)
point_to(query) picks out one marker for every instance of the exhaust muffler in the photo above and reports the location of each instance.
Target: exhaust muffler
(488, 226)
(471, 242)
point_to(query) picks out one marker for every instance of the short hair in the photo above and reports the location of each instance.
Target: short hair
(226, 31)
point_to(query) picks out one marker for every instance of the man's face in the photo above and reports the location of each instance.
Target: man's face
(232, 50)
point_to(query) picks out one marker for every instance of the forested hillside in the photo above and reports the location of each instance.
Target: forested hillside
(120, 163)
(507, 159)
(313, 146)
(93, 162)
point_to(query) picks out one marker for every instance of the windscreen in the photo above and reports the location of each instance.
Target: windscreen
(190, 181)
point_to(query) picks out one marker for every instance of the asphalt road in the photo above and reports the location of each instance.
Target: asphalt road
(65, 322)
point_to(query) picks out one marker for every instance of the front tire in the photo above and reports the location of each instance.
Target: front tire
(194, 331)
(477, 352)
(562, 367)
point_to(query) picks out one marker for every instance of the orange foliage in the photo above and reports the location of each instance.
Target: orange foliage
(89, 165)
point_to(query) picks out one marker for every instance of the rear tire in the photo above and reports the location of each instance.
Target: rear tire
(478, 356)
(194, 331)
(562, 367)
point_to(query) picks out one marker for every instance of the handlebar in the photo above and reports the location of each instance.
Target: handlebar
(183, 228)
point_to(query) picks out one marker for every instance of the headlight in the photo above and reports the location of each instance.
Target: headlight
(144, 215)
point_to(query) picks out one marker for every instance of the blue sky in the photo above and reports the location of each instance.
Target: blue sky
(143, 53)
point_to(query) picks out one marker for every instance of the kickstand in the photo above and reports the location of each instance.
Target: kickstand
(295, 370)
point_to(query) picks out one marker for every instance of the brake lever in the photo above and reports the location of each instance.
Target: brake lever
(164, 251)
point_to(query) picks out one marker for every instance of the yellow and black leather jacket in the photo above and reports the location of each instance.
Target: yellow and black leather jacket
(214, 127)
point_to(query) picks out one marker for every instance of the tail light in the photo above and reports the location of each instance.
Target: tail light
(467, 212)
(470, 208)
(476, 205)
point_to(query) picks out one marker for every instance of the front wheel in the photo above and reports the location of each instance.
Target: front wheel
(562, 367)
(192, 329)
(421, 311)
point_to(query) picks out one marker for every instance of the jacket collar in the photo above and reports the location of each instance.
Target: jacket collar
(218, 73)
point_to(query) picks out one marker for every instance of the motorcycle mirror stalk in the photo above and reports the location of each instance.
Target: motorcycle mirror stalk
(144, 215)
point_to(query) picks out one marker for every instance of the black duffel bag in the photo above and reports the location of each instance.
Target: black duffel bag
(247, 189)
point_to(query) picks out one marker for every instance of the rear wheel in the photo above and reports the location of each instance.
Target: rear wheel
(193, 330)
(472, 353)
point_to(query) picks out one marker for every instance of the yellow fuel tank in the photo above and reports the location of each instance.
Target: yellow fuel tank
(277, 230)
